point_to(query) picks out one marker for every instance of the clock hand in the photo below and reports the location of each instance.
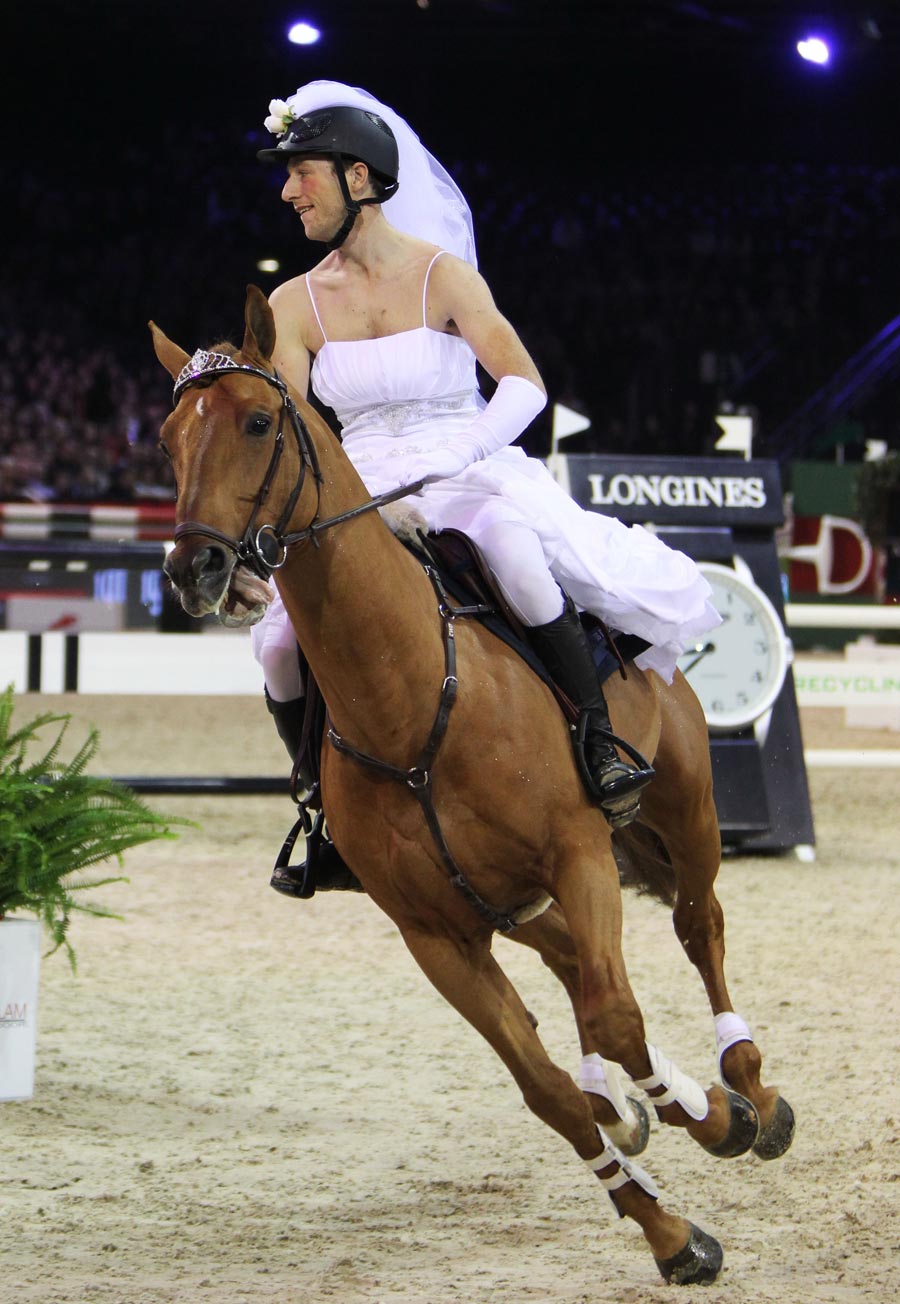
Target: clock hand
(702, 649)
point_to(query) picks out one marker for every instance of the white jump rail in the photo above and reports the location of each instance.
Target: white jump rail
(824, 615)
(132, 663)
(867, 683)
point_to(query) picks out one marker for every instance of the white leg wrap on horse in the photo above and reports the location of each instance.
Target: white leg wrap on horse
(680, 1089)
(627, 1171)
(730, 1028)
(593, 1077)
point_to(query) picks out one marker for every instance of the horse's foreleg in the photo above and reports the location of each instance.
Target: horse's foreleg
(468, 976)
(623, 1118)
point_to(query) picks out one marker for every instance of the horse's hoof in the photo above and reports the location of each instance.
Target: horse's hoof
(778, 1133)
(742, 1131)
(697, 1264)
(638, 1145)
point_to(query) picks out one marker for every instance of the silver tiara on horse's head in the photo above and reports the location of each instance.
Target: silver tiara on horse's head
(206, 362)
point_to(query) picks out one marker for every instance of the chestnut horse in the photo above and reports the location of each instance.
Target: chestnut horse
(489, 825)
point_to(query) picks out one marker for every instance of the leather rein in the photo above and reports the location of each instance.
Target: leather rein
(264, 548)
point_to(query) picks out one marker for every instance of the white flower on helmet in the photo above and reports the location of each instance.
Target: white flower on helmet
(281, 115)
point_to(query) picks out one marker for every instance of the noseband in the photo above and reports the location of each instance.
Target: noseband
(264, 548)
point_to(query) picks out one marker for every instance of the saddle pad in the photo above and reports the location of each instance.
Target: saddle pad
(467, 578)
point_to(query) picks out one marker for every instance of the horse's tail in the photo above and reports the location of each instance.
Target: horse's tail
(644, 863)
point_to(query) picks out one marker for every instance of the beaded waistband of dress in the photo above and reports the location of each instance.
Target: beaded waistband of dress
(398, 417)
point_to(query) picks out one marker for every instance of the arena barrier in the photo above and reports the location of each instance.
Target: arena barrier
(135, 663)
(114, 523)
(220, 662)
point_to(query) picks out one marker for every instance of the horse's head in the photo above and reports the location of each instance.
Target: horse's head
(244, 466)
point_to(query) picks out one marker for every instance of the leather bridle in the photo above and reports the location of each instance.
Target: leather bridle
(264, 548)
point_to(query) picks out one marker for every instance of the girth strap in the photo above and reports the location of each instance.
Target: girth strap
(418, 777)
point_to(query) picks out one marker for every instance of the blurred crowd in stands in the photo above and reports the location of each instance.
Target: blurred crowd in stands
(648, 301)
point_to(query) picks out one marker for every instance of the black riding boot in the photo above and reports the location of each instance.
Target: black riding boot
(563, 647)
(330, 873)
(288, 717)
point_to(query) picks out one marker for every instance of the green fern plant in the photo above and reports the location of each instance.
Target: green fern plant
(56, 821)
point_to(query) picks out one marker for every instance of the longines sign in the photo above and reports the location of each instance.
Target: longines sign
(678, 491)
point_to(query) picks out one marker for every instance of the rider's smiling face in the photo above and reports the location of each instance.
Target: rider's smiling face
(312, 190)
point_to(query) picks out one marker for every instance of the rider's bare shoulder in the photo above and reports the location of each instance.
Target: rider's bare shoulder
(292, 309)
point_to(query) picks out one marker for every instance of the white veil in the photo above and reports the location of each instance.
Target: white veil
(428, 203)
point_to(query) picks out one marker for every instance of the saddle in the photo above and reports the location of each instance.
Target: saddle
(466, 579)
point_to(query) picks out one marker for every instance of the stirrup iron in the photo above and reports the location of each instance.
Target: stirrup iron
(620, 798)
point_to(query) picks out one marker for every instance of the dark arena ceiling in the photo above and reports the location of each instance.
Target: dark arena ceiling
(526, 79)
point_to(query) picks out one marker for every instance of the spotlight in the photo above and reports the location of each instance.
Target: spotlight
(814, 50)
(268, 265)
(303, 34)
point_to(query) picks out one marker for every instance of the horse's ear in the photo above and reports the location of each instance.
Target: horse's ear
(259, 325)
(170, 355)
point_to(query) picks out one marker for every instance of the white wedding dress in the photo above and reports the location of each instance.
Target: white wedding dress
(402, 395)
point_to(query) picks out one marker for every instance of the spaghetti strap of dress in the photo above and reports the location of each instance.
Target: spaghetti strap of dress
(424, 288)
(314, 307)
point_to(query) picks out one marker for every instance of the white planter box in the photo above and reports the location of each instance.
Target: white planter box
(20, 963)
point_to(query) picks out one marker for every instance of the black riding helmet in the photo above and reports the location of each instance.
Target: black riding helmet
(346, 135)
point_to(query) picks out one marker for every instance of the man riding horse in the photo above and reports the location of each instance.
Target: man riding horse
(388, 328)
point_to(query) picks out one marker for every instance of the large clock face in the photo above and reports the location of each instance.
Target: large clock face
(738, 669)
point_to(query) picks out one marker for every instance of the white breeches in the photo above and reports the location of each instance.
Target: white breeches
(516, 557)
(274, 645)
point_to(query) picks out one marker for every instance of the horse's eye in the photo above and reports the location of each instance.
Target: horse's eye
(261, 424)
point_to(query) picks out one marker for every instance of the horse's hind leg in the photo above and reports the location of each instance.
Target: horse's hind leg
(699, 925)
(681, 809)
(468, 976)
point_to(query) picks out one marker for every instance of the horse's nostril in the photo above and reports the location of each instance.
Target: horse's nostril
(209, 562)
(173, 572)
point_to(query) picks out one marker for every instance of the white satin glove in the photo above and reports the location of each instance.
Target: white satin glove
(441, 463)
(514, 406)
(376, 484)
